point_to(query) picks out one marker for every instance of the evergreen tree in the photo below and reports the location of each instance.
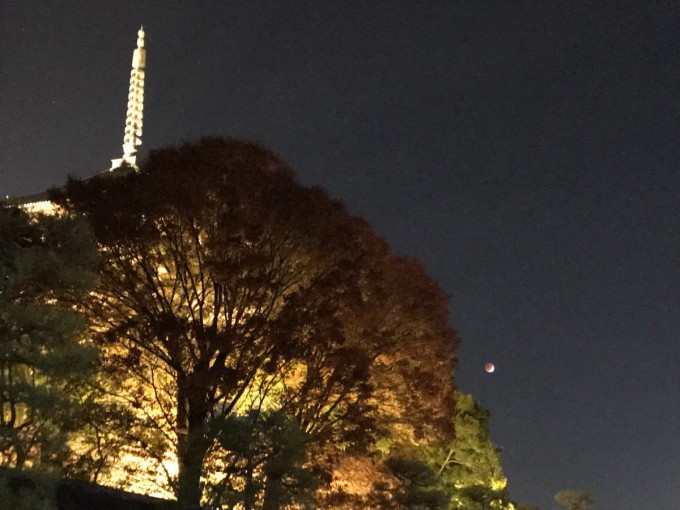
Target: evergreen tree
(45, 263)
(469, 468)
(265, 454)
(575, 500)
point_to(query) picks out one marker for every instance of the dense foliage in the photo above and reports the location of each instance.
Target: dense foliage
(45, 264)
(469, 468)
(229, 294)
(575, 500)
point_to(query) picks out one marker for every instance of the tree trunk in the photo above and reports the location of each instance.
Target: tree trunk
(272, 492)
(189, 486)
(191, 450)
(249, 492)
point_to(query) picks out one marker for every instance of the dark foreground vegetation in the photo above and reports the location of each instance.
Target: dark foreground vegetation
(31, 491)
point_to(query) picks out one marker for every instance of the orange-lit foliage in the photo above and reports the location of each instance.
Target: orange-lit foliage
(228, 288)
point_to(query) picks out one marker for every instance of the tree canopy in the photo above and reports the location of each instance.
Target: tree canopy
(468, 468)
(575, 500)
(45, 264)
(226, 288)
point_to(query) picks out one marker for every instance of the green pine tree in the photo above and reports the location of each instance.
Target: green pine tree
(45, 263)
(469, 468)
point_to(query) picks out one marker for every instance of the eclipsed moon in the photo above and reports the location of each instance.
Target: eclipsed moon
(489, 367)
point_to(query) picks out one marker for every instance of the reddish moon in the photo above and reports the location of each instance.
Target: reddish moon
(489, 367)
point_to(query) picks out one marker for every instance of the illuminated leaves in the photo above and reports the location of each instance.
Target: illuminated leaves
(226, 288)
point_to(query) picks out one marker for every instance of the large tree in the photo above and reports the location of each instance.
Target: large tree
(45, 263)
(227, 288)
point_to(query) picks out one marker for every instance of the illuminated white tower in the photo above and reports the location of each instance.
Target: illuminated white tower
(135, 107)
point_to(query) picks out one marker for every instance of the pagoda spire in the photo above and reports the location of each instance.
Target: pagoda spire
(135, 107)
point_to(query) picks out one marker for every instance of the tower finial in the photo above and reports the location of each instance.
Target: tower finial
(135, 106)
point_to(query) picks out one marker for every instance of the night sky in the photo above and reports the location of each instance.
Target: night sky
(527, 152)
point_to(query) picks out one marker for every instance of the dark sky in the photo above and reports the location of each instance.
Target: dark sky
(527, 152)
